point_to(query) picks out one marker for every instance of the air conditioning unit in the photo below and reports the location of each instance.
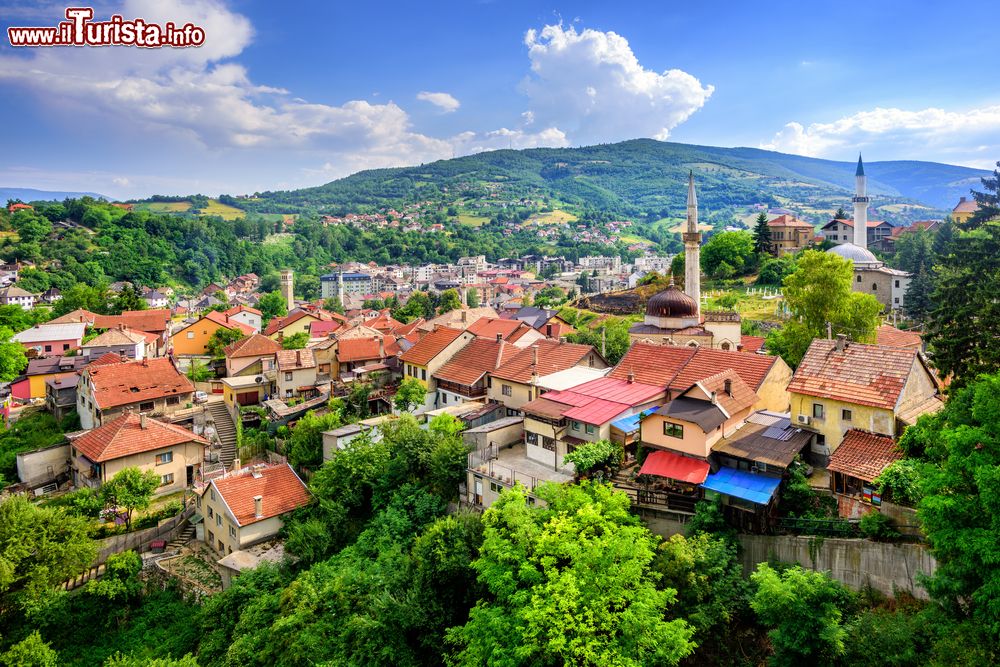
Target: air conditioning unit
(754, 469)
(803, 419)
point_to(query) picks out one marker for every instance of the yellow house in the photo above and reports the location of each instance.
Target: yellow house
(841, 386)
(133, 440)
(249, 506)
(432, 352)
(193, 339)
(513, 383)
(964, 210)
(43, 369)
(297, 321)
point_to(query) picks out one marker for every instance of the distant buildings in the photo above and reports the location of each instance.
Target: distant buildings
(789, 234)
(964, 210)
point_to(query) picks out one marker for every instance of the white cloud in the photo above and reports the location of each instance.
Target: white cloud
(121, 181)
(591, 85)
(443, 101)
(930, 134)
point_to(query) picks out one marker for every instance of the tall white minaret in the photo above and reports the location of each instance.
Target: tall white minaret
(860, 206)
(692, 248)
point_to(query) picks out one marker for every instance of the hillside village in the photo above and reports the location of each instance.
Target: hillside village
(226, 409)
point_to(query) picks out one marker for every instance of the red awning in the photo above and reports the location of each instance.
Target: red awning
(675, 466)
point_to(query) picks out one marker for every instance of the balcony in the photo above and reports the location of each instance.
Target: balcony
(462, 389)
(511, 465)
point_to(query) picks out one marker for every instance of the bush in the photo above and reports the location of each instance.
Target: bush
(592, 455)
(877, 526)
(900, 482)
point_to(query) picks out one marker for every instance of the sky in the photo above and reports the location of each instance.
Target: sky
(279, 98)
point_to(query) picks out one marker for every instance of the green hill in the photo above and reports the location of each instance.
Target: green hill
(643, 178)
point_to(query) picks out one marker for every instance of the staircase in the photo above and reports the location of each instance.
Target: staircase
(183, 537)
(226, 430)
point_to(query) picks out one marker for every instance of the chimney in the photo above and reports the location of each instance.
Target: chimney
(499, 336)
(739, 347)
(142, 421)
(715, 399)
(298, 357)
(728, 387)
(145, 361)
(841, 343)
(465, 317)
(961, 200)
(236, 465)
(258, 507)
(381, 347)
(548, 331)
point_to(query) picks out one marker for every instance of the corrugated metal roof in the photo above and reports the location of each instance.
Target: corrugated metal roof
(740, 484)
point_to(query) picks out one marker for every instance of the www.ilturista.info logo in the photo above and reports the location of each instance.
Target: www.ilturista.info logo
(79, 30)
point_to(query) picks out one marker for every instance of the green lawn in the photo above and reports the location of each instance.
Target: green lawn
(472, 220)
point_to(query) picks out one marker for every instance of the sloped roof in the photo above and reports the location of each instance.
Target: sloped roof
(475, 360)
(236, 310)
(279, 323)
(461, 317)
(751, 367)
(358, 349)
(124, 383)
(256, 345)
(740, 396)
(890, 336)
(155, 320)
(850, 223)
(872, 375)
(78, 315)
(698, 411)
(115, 337)
(49, 365)
(280, 489)
(431, 345)
(125, 436)
(776, 444)
(864, 455)
(652, 363)
(384, 322)
(553, 356)
(292, 360)
(224, 320)
(49, 332)
(752, 343)
(966, 205)
(788, 221)
(489, 327)
(598, 401)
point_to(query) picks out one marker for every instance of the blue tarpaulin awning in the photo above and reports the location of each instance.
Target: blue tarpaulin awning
(741, 484)
(630, 424)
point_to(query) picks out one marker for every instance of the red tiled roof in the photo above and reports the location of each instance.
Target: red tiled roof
(106, 358)
(236, 310)
(279, 487)
(751, 367)
(125, 436)
(154, 320)
(740, 396)
(358, 349)
(489, 327)
(788, 221)
(864, 455)
(553, 356)
(871, 375)
(293, 360)
(404, 330)
(431, 345)
(252, 346)
(966, 205)
(384, 322)
(475, 360)
(323, 328)
(752, 343)
(78, 315)
(125, 383)
(224, 320)
(279, 323)
(892, 337)
(652, 363)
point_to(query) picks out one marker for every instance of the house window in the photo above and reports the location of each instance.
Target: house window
(897, 283)
(859, 278)
(165, 457)
(531, 438)
(232, 531)
(167, 479)
(874, 287)
(66, 345)
(146, 407)
(48, 348)
(495, 488)
(211, 512)
(423, 374)
(575, 426)
(896, 300)
(190, 335)
(846, 415)
(218, 519)
(673, 430)
(548, 444)
(505, 389)
(817, 410)
(288, 377)
(589, 429)
(173, 400)
(444, 399)
(213, 494)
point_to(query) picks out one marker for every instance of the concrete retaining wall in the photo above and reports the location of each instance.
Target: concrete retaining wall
(884, 566)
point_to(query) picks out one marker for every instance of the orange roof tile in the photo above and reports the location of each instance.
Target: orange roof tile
(125, 383)
(475, 360)
(292, 360)
(752, 343)
(871, 375)
(489, 327)
(236, 310)
(740, 396)
(280, 489)
(78, 315)
(893, 337)
(358, 349)
(966, 205)
(256, 345)
(751, 367)
(224, 320)
(553, 356)
(788, 221)
(431, 345)
(653, 364)
(125, 436)
(155, 320)
(864, 455)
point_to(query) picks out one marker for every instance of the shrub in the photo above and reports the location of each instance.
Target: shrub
(592, 455)
(877, 526)
(900, 482)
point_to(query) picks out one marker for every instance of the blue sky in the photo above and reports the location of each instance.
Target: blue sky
(278, 99)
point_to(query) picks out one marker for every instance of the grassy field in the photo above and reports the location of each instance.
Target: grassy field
(472, 220)
(555, 217)
(750, 306)
(224, 211)
(632, 238)
(168, 206)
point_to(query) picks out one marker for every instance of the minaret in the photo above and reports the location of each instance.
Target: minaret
(692, 248)
(860, 206)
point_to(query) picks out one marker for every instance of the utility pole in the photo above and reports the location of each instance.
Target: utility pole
(604, 342)
(829, 331)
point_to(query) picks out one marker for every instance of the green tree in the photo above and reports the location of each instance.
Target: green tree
(39, 548)
(272, 305)
(410, 394)
(305, 446)
(307, 286)
(988, 200)
(297, 341)
(30, 226)
(802, 608)
(727, 254)
(919, 298)
(616, 340)
(571, 583)
(129, 298)
(472, 298)
(840, 214)
(32, 651)
(677, 269)
(33, 280)
(131, 489)
(198, 371)
(122, 660)
(12, 357)
(965, 285)
(120, 582)
(817, 293)
(762, 244)
(419, 305)
(220, 339)
(592, 455)
(448, 301)
(334, 305)
(81, 296)
(548, 297)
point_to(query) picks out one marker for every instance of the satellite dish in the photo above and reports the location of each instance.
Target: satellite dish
(258, 379)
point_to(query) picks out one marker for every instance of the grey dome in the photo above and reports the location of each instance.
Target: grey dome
(856, 254)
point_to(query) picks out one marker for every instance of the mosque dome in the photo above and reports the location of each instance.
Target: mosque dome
(860, 256)
(671, 302)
